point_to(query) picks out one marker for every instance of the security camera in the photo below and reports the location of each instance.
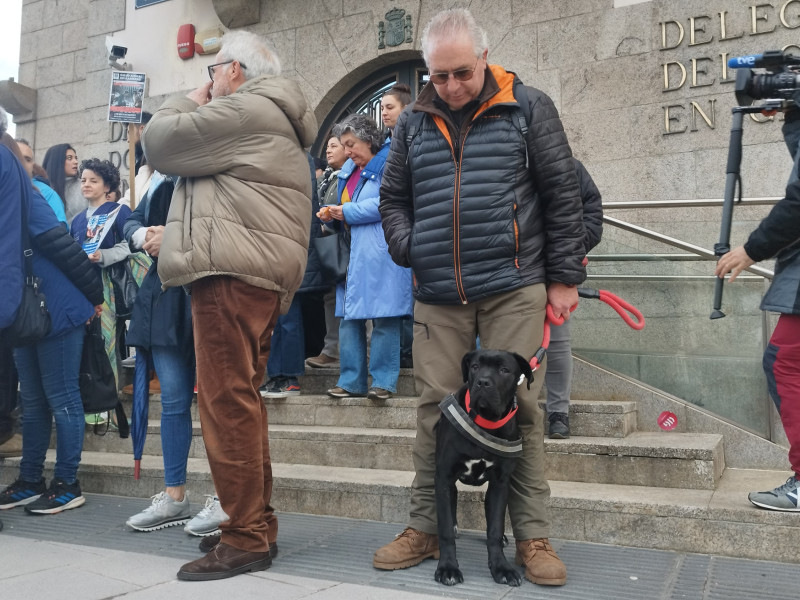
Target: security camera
(117, 52)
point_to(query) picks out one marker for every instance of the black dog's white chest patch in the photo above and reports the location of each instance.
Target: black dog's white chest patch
(475, 471)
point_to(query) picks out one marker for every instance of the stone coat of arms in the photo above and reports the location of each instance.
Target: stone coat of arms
(396, 29)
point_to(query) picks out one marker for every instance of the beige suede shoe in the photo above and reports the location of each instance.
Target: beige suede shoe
(408, 549)
(542, 564)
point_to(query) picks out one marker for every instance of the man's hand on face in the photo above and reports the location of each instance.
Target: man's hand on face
(562, 297)
(201, 95)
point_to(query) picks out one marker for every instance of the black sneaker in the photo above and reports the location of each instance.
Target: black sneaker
(559, 426)
(20, 493)
(276, 387)
(60, 496)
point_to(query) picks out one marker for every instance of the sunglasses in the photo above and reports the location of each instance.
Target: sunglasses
(226, 62)
(460, 75)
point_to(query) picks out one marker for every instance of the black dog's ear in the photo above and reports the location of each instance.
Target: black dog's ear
(525, 368)
(467, 358)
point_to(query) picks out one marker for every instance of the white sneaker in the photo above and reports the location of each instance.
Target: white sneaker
(163, 512)
(207, 521)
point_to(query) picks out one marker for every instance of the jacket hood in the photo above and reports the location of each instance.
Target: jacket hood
(288, 96)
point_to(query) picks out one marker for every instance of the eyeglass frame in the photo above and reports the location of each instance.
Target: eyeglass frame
(225, 62)
(467, 74)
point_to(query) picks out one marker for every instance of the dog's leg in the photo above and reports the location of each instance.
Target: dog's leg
(495, 506)
(454, 508)
(447, 572)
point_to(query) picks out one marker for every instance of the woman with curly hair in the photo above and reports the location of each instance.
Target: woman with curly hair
(99, 178)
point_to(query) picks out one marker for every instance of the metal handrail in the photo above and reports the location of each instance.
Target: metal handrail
(676, 243)
(697, 253)
(699, 203)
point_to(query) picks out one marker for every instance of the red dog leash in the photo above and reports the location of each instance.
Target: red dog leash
(623, 309)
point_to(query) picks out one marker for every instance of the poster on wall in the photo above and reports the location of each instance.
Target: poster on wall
(125, 100)
(143, 3)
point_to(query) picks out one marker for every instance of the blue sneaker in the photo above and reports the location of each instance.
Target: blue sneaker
(60, 496)
(20, 493)
(783, 497)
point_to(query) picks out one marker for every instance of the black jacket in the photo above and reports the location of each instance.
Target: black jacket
(592, 207)
(160, 317)
(779, 234)
(487, 207)
(312, 278)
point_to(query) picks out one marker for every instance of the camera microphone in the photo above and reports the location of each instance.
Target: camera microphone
(768, 60)
(745, 62)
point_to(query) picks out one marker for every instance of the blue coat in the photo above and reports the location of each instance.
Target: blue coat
(13, 187)
(375, 286)
(53, 199)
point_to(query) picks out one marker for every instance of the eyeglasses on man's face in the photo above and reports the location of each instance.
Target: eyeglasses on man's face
(460, 75)
(225, 62)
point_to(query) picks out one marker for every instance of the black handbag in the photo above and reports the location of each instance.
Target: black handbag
(32, 322)
(125, 287)
(333, 252)
(97, 382)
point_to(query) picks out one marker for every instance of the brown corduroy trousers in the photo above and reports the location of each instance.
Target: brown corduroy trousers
(232, 324)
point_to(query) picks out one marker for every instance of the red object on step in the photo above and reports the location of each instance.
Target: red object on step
(667, 421)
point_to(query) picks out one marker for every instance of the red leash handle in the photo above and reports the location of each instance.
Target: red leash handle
(550, 317)
(618, 304)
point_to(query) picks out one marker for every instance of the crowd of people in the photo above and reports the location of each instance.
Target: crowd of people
(466, 216)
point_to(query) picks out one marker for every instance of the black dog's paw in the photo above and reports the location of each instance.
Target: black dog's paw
(449, 575)
(506, 574)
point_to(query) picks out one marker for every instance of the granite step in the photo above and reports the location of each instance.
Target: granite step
(647, 459)
(719, 521)
(595, 418)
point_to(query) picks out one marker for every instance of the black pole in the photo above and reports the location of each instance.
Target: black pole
(732, 180)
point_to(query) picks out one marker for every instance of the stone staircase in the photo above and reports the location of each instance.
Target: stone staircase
(618, 480)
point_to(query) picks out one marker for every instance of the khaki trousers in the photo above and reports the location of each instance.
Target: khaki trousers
(232, 323)
(513, 321)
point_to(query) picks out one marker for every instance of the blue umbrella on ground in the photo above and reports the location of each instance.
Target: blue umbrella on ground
(141, 406)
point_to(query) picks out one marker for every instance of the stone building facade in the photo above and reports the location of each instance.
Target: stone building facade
(643, 88)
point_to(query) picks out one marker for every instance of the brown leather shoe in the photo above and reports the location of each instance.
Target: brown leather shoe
(12, 446)
(222, 562)
(322, 361)
(208, 543)
(542, 564)
(408, 549)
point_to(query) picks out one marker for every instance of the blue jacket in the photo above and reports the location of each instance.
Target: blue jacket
(117, 233)
(375, 286)
(53, 199)
(13, 183)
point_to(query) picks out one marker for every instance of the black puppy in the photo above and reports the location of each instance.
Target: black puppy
(478, 440)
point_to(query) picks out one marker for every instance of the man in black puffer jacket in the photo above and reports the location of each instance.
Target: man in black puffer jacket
(481, 199)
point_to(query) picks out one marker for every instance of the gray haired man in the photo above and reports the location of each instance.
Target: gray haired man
(488, 216)
(237, 233)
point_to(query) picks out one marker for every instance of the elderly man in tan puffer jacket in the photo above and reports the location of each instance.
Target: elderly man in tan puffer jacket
(237, 234)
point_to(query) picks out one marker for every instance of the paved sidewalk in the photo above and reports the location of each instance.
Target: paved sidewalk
(89, 554)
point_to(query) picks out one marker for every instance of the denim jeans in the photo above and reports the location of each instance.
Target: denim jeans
(49, 388)
(384, 354)
(287, 353)
(177, 389)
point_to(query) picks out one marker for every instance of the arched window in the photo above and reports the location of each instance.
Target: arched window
(365, 97)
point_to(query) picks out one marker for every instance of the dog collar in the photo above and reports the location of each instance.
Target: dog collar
(453, 412)
(486, 423)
